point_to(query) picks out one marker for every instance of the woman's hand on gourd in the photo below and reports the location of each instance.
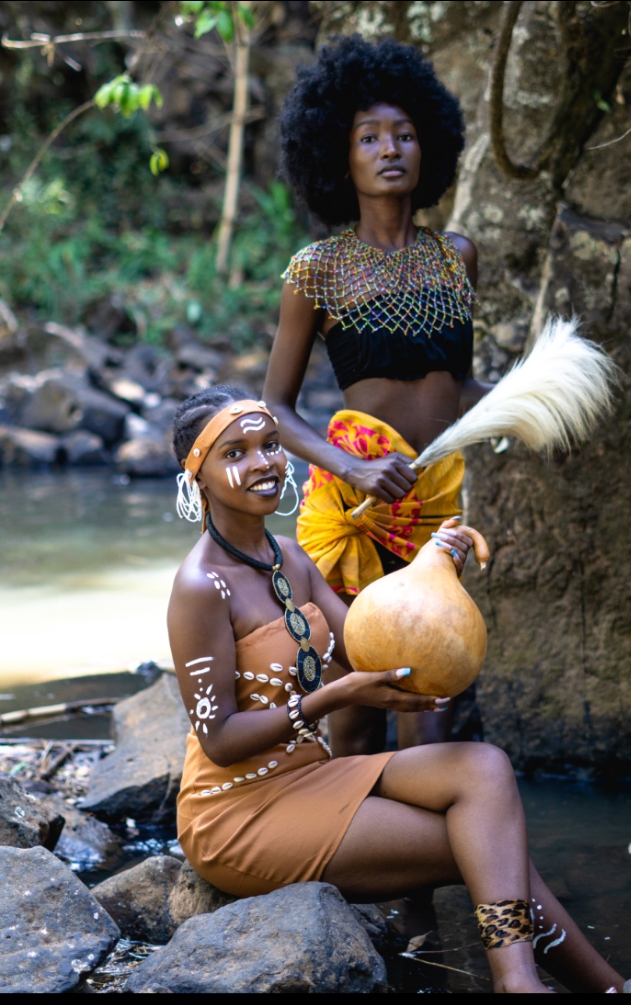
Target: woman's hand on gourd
(456, 541)
(381, 690)
(389, 478)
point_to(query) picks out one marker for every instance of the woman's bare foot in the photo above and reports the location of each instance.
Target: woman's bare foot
(519, 983)
(514, 971)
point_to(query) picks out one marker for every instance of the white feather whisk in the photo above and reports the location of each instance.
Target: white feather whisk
(551, 398)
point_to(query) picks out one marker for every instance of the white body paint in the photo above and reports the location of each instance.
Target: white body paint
(203, 659)
(233, 477)
(558, 942)
(250, 425)
(205, 709)
(220, 584)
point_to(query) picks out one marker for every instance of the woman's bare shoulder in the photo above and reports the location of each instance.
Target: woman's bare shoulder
(465, 246)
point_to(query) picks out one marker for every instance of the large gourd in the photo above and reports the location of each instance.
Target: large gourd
(421, 617)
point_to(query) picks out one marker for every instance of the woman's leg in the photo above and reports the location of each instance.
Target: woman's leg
(444, 813)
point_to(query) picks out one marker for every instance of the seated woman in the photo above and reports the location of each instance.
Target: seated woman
(263, 803)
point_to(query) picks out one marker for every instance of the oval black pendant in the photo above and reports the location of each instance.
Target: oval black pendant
(297, 625)
(282, 587)
(309, 667)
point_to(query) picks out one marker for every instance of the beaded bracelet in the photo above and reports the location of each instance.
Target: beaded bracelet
(294, 708)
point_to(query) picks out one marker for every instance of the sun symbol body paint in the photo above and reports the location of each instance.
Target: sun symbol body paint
(205, 710)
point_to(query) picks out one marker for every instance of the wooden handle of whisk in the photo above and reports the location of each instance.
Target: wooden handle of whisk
(370, 501)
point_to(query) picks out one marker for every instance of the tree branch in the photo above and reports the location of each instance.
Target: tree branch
(41, 40)
(17, 191)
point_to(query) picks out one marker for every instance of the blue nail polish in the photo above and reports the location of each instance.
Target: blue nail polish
(404, 673)
(442, 544)
(455, 554)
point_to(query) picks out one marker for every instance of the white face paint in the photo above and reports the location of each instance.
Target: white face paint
(251, 425)
(233, 476)
(219, 584)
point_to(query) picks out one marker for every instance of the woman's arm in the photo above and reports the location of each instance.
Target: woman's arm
(472, 390)
(203, 647)
(388, 478)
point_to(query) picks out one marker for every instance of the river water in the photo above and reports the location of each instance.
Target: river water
(86, 566)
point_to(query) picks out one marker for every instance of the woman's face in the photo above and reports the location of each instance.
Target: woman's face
(384, 152)
(245, 469)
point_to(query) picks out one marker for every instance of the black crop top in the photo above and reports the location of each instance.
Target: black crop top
(402, 314)
(358, 355)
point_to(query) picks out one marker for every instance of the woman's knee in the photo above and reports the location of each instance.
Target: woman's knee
(489, 764)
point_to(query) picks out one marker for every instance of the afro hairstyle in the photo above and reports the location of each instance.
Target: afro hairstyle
(352, 75)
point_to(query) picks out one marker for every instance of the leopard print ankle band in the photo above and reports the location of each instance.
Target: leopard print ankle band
(505, 923)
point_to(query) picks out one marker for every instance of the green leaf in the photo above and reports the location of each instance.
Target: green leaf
(159, 162)
(205, 23)
(157, 96)
(603, 105)
(192, 6)
(225, 26)
(103, 96)
(247, 16)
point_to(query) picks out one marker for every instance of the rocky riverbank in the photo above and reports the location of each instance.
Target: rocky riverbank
(75, 397)
(152, 925)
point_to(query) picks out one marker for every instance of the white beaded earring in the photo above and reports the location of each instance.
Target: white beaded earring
(290, 480)
(189, 498)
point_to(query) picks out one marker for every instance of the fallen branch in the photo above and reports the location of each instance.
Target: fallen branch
(39, 39)
(57, 762)
(51, 711)
(610, 143)
(443, 966)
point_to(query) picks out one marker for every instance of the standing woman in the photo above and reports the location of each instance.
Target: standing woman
(369, 134)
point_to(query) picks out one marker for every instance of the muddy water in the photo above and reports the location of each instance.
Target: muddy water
(87, 561)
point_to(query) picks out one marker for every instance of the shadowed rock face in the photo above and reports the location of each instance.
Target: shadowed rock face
(303, 939)
(53, 932)
(25, 823)
(144, 772)
(138, 899)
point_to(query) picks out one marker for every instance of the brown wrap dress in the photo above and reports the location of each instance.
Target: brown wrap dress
(279, 817)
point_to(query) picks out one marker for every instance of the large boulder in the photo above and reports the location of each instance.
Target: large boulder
(47, 402)
(303, 939)
(144, 772)
(147, 457)
(24, 822)
(25, 448)
(138, 899)
(53, 932)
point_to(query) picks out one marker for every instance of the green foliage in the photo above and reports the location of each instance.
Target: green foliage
(127, 96)
(159, 161)
(209, 14)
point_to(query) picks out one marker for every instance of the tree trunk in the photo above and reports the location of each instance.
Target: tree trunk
(235, 149)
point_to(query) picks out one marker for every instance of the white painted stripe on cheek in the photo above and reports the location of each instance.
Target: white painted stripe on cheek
(236, 476)
(229, 473)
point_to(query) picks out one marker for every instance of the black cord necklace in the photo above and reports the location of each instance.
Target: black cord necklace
(308, 663)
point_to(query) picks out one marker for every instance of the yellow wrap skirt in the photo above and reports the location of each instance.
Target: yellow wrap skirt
(342, 548)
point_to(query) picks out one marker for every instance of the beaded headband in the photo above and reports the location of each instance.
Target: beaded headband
(190, 505)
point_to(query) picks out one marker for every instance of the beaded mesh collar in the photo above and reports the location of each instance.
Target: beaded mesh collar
(419, 290)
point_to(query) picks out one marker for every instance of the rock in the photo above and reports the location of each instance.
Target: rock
(198, 357)
(138, 899)
(85, 843)
(457, 927)
(27, 449)
(144, 772)
(146, 457)
(102, 414)
(81, 449)
(193, 895)
(108, 318)
(24, 823)
(162, 415)
(57, 401)
(303, 939)
(46, 402)
(93, 353)
(54, 932)
(373, 922)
